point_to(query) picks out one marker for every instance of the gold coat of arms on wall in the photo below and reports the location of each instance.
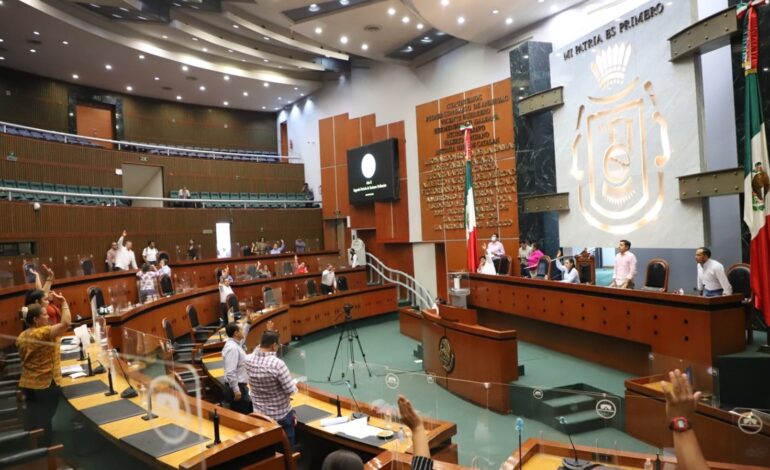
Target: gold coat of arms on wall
(445, 355)
(621, 147)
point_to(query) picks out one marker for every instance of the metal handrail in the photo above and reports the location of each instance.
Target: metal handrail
(418, 291)
(120, 143)
(64, 194)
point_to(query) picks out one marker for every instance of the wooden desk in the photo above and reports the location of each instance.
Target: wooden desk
(537, 454)
(479, 356)
(400, 461)
(717, 429)
(614, 327)
(241, 435)
(201, 272)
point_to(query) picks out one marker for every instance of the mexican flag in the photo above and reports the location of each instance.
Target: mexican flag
(756, 206)
(470, 204)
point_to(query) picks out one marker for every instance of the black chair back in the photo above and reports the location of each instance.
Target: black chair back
(288, 268)
(739, 276)
(311, 288)
(168, 330)
(232, 303)
(96, 298)
(246, 250)
(192, 314)
(163, 255)
(166, 286)
(218, 274)
(252, 270)
(505, 266)
(657, 275)
(342, 283)
(585, 272)
(88, 266)
(543, 267)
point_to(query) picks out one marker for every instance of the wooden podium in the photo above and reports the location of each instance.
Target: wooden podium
(472, 361)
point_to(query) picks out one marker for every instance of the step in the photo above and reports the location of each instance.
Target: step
(579, 422)
(570, 403)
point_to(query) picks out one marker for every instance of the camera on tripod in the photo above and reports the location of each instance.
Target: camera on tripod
(348, 309)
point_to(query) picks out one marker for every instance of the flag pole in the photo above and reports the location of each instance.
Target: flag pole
(471, 235)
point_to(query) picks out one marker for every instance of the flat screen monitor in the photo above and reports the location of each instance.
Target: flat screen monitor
(373, 172)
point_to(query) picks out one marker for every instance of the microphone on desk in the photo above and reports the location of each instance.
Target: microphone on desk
(339, 410)
(150, 415)
(215, 420)
(568, 463)
(99, 369)
(130, 392)
(355, 415)
(111, 391)
(520, 429)
(82, 352)
(90, 369)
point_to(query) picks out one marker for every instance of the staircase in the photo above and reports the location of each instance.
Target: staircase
(410, 292)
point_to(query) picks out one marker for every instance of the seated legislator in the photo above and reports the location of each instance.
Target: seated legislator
(271, 385)
(524, 251)
(485, 266)
(234, 358)
(40, 378)
(625, 267)
(568, 272)
(534, 259)
(712, 280)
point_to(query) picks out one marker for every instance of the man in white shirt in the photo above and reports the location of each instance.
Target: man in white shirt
(234, 358)
(712, 280)
(625, 267)
(494, 251)
(125, 258)
(525, 250)
(328, 280)
(224, 291)
(150, 253)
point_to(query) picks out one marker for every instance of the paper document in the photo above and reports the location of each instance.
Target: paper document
(69, 370)
(357, 428)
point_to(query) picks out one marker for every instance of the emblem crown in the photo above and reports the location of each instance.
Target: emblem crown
(610, 65)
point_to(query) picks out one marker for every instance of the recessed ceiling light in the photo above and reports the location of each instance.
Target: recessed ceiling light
(391, 11)
(461, 20)
(236, 26)
(124, 9)
(444, 3)
(766, 69)
(205, 49)
(420, 26)
(264, 107)
(243, 60)
(156, 78)
(115, 15)
(265, 38)
(318, 30)
(495, 11)
(1, 57)
(365, 46)
(178, 97)
(540, 1)
(202, 88)
(526, 56)
(194, 38)
(344, 2)
(129, 88)
(554, 8)
(185, 68)
(280, 98)
(108, 66)
(265, 84)
(277, 108)
(301, 94)
(226, 103)
(313, 7)
(36, 33)
(405, 20)
(509, 20)
(1, 40)
(265, 60)
(32, 51)
(164, 36)
(296, 88)
(226, 78)
(75, 76)
(66, 43)
(230, 51)
(245, 93)
(142, 18)
(344, 39)
(141, 56)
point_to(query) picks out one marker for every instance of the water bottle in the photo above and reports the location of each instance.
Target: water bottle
(648, 464)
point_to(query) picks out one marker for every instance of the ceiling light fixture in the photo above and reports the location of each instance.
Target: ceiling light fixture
(405, 20)
(1, 57)
(32, 51)
(226, 78)
(129, 88)
(178, 97)
(318, 30)
(108, 66)
(280, 98)
(265, 84)
(75, 76)
(124, 9)
(365, 46)
(344, 3)
(265, 38)
(230, 51)
(245, 93)
(314, 7)
(226, 103)
(236, 26)
(185, 68)
(156, 78)
(36, 33)
(265, 60)
(420, 26)
(391, 11)
(141, 56)
(301, 94)
(205, 49)
(202, 88)
(444, 3)
(461, 20)
(296, 88)
(495, 12)
(509, 20)
(164, 36)
(116, 16)
(2, 40)
(194, 38)
(66, 43)
(264, 107)
(344, 39)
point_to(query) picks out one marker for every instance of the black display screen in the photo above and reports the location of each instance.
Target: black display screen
(373, 172)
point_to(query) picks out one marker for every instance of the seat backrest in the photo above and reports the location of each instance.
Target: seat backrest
(543, 268)
(739, 276)
(585, 263)
(96, 297)
(166, 286)
(168, 330)
(88, 266)
(232, 302)
(656, 277)
(311, 288)
(506, 263)
(267, 297)
(342, 283)
(163, 255)
(192, 314)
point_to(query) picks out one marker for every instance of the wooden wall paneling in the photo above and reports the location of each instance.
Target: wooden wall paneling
(441, 270)
(343, 198)
(36, 103)
(368, 124)
(340, 139)
(326, 141)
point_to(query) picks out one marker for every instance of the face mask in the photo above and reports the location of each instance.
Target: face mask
(494, 239)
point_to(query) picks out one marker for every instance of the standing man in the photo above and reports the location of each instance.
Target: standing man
(328, 280)
(625, 267)
(271, 385)
(712, 280)
(150, 253)
(236, 378)
(125, 259)
(111, 256)
(299, 245)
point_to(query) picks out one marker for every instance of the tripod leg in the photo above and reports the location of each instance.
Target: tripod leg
(336, 351)
(352, 358)
(363, 354)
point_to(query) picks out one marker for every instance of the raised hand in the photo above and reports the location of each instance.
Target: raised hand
(680, 400)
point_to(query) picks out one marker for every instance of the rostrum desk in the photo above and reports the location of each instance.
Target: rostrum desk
(614, 327)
